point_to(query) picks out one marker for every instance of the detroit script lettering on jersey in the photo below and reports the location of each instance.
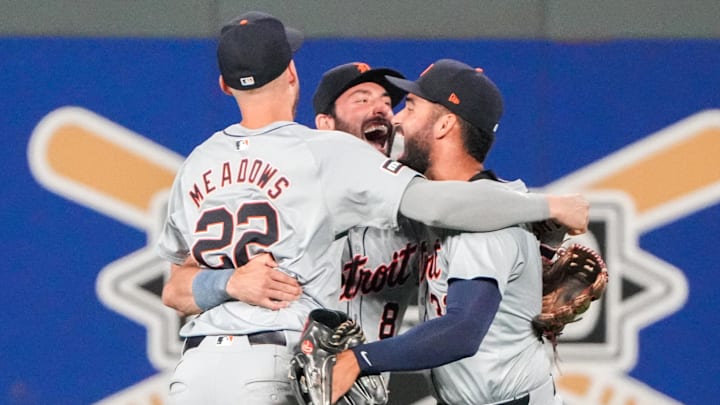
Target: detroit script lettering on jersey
(262, 174)
(429, 261)
(356, 279)
(430, 271)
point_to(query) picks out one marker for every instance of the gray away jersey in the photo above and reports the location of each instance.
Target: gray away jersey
(380, 274)
(511, 360)
(284, 189)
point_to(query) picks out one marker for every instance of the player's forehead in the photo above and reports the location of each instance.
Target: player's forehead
(418, 102)
(366, 88)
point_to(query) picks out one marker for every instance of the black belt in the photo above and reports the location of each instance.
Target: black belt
(518, 401)
(274, 337)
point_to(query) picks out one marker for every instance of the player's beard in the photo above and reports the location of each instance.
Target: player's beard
(344, 126)
(374, 131)
(416, 154)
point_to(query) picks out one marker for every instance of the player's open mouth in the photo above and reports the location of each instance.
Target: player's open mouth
(377, 132)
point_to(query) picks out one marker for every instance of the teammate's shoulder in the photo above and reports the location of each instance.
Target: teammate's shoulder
(274, 128)
(336, 141)
(514, 185)
(336, 136)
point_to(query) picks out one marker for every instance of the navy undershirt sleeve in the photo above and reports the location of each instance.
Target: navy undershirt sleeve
(471, 308)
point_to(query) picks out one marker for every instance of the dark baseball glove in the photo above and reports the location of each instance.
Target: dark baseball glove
(571, 281)
(326, 334)
(551, 235)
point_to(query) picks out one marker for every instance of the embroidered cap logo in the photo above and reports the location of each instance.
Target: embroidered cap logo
(362, 67)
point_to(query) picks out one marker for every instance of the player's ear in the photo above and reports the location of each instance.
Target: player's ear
(292, 76)
(445, 124)
(223, 86)
(324, 121)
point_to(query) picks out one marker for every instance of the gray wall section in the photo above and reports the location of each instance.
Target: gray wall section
(422, 19)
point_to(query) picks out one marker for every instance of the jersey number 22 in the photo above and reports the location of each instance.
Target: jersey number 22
(231, 225)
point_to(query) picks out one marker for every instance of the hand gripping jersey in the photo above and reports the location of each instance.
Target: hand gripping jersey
(284, 189)
(511, 360)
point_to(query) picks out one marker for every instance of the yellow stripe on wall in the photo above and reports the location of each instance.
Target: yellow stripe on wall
(89, 159)
(675, 172)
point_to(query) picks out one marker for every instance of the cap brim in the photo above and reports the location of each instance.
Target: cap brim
(408, 87)
(380, 76)
(295, 38)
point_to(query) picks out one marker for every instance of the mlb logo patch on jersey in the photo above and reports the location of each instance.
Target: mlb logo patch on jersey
(392, 166)
(242, 144)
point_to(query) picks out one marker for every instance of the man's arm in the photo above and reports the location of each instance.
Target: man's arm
(191, 290)
(471, 308)
(483, 206)
(177, 291)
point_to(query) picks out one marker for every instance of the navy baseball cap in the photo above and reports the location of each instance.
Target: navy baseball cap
(463, 90)
(255, 48)
(335, 81)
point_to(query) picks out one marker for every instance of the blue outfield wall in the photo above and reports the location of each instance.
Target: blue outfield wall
(577, 115)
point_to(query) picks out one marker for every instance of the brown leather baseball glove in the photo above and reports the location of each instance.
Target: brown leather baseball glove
(575, 277)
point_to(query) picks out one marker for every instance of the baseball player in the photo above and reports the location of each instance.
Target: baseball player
(270, 185)
(481, 290)
(379, 266)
